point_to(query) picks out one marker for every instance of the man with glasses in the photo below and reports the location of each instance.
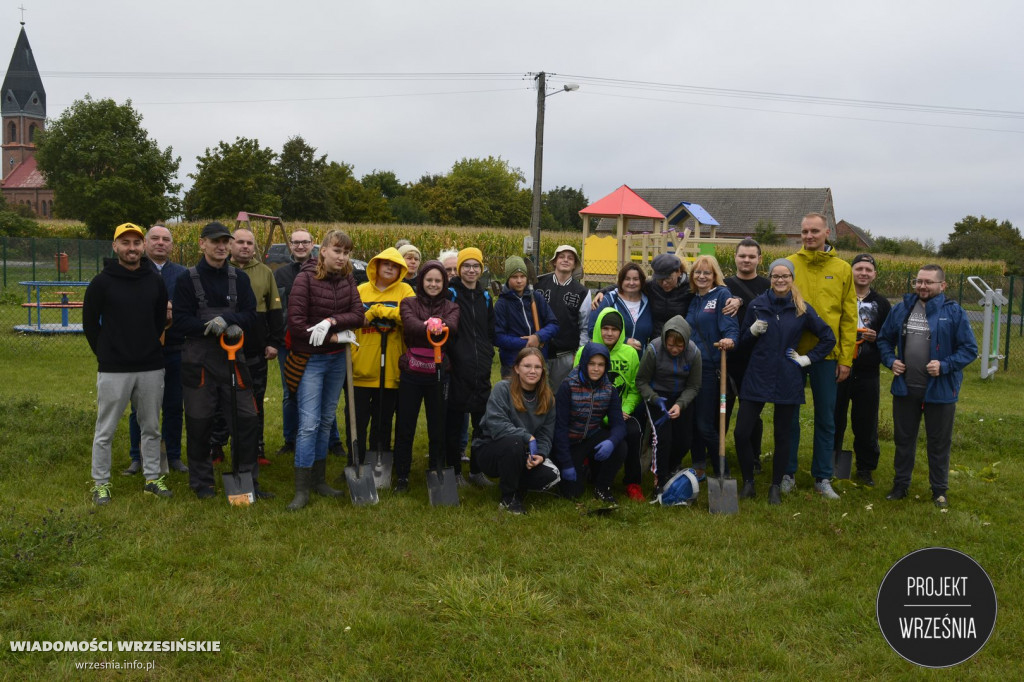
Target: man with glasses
(570, 301)
(926, 342)
(826, 282)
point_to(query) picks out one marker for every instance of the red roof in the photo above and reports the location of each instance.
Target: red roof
(624, 202)
(25, 176)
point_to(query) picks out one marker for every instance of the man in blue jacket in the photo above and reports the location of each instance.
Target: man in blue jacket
(927, 341)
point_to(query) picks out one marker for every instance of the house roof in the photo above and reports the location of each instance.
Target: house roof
(22, 91)
(26, 175)
(861, 234)
(624, 202)
(738, 210)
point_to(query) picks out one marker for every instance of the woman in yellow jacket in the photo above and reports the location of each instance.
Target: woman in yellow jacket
(381, 295)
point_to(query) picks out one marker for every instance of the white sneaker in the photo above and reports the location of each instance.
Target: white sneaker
(788, 484)
(824, 487)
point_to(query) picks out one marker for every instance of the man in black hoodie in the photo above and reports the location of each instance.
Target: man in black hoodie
(123, 315)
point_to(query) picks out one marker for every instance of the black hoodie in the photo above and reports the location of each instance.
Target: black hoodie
(123, 315)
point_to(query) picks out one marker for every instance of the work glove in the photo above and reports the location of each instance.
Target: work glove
(801, 360)
(233, 333)
(215, 327)
(348, 336)
(533, 446)
(435, 326)
(318, 332)
(603, 450)
(662, 403)
(568, 474)
(759, 327)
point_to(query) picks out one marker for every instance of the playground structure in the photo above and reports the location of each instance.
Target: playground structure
(254, 222)
(64, 305)
(992, 302)
(604, 255)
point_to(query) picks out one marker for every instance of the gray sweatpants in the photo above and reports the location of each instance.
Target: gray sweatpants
(114, 390)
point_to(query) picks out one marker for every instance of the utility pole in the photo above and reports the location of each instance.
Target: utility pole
(538, 163)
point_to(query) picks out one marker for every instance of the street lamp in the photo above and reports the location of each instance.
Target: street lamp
(538, 161)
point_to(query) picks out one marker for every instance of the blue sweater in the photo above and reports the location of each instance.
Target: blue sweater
(710, 324)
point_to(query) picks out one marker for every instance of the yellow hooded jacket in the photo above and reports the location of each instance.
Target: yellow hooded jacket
(380, 304)
(826, 282)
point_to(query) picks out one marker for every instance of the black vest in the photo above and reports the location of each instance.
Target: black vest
(565, 302)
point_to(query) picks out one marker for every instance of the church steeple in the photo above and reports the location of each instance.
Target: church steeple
(22, 90)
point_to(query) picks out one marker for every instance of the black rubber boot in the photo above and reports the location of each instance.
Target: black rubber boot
(748, 490)
(303, 482)
(320, 480)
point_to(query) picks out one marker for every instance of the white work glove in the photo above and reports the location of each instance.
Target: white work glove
(348, 336)
(318, 332)
(759, 327)
(215, 327)
(801, 360)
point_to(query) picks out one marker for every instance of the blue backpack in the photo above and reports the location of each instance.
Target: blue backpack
(680, 490)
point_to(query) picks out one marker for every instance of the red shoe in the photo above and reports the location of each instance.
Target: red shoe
(634, 492)
(263, 461)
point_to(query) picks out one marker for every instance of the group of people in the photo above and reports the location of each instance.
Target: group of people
(585, 375)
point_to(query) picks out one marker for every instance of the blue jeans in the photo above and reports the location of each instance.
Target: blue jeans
(290, 410)
(823, 391)
(317, 402)
(172, 408)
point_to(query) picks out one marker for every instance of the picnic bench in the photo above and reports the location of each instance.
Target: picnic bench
(35, 302)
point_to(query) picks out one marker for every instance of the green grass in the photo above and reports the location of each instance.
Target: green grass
(406, 591)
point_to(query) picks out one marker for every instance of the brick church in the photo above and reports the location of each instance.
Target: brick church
(23, 110)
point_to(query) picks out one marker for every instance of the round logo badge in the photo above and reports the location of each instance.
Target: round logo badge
(936, 607)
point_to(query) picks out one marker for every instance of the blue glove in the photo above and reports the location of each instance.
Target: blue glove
(662, 403)
(569, 474)
(533, 446)
(603, 450)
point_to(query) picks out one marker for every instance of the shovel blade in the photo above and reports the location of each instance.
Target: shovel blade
(723, 497)
(842, 463)
(441, 488)
(381, 463)
(360, 485)
(239, 488)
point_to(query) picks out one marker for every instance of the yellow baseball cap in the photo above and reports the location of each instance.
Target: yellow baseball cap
(128, 227)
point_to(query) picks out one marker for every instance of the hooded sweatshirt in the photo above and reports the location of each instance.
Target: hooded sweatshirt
(826, 282)
(662, 375)
(581, 405)
(624, 361)
(123, 314)
(384, 305)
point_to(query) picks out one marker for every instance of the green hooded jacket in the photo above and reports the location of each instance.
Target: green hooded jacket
(624, 363)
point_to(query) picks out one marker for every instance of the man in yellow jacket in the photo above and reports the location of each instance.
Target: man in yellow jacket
(381, 294)
(826, 282)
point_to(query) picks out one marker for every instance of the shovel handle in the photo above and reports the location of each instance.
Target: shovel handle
(231, 348)
(437, 344)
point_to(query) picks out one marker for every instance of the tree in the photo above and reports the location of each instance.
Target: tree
(351, 201)
(562, 207)
(480, 192)
(766, 235)
(903, 246)
(385, 183)
(986, 238)
(104, 169)
(234, 177)
(302, 182)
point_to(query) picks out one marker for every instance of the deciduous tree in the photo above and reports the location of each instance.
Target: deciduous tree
(234, 177)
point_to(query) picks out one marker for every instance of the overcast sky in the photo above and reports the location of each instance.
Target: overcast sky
(896, 171)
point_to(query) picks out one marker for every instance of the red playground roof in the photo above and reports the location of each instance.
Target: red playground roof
(624, 202)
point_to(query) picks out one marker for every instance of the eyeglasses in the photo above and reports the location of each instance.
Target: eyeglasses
(306, 242)
(702, 273)
(778, 277)
(472, 266)
(926, 282)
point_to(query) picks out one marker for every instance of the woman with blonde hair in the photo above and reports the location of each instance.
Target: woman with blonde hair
(516, 431)
(773, 325)
(323, 306)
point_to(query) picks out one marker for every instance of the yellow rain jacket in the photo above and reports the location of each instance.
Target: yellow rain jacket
(380, 304)
(826, 282)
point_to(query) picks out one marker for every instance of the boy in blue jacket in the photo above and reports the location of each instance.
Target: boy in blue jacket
(522, 316)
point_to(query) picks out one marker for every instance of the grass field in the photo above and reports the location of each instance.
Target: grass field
(406, 591)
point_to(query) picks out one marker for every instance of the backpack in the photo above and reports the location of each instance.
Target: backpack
(680, 490)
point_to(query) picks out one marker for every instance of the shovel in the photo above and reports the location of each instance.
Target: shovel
(358, 476)
(382, 460)
(723, 497)
(842, 463)
(441, 487)
(237, 486)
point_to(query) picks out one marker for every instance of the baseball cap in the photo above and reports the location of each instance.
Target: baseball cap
(215, 230)
(128, 227)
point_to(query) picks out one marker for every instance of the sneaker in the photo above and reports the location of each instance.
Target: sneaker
(460, 481)
(263, 461)
(748, 491)
(788, 484)
(941, 501)
(512, 505)
(206, 492)
(480, 480)
(101, 494)
(401, 485)
(216, 454)
(133, 468)
(824, 488)
(157, 487)
(177, 465)
(262, 494)
(605, 495)
(865, 478)
(774, 495)
(286, 449)
(898, 492)
(634, 492)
